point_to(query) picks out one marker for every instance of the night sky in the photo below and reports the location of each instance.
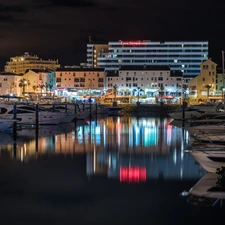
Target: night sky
(60, 29)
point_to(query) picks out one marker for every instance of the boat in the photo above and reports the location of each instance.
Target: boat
(26, 114)
(209, 158)
(6, 124)
(206, 192)
(192, 112)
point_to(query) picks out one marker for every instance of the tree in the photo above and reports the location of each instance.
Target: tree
(115, 87)
(222, 89)
(23, 83)
(208, 86)
(41, 86)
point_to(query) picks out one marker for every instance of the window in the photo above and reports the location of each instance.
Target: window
(76, 80)
(74, 74)
(100, 79)
(58, 79)
(160, 78)
(203, 79)
(82, 79)
(60, 74)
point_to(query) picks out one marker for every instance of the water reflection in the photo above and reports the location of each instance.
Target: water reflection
(110, 144)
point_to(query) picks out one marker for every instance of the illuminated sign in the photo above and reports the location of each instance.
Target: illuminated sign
(133, 43)
(132, 174)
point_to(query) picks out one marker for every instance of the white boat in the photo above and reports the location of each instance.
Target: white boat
(6, 124)
(209, 158)
(26, 114)
(63, 108)
(206, 192)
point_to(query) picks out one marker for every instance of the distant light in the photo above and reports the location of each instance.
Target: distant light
(184, 193)
(133, 43)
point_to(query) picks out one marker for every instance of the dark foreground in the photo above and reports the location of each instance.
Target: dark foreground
(56, 190)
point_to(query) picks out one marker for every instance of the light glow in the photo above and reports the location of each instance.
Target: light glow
(132, 174)
(133, 43)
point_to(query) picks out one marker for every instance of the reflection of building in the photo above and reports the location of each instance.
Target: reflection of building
(19, 64)
(174, 166)
(180, 55)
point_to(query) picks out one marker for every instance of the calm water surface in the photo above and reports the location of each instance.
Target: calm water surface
(110, 170)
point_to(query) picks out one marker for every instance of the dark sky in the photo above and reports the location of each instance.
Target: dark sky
(59, 29)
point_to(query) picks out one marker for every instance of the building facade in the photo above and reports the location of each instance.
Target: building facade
(93, 51)
(153, 82)
(180, 56)
(19, 64)
(204, 86)
(9, 84)
(74, 82)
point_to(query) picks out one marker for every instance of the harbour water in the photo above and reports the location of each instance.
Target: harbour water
(109, 170)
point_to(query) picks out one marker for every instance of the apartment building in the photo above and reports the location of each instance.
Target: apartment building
(184, 56)
(151, 81)
(74, 82)
(19, 64)
(204, 86)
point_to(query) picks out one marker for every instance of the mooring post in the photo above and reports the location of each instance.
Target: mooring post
(183, 113)
(14, 111)
(53, 108)
(75, 108)
(66, 108)
(36, 115)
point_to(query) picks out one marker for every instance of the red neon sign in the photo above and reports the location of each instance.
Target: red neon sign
(133, 43)
(132, 174)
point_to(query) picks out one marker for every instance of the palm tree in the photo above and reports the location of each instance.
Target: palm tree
(46, 87)
(41, 86)
(208, 86)
(115, 87)
(23, 83)
(222, 89)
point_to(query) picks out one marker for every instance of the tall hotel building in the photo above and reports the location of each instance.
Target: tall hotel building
(184, 56)
(19, 64)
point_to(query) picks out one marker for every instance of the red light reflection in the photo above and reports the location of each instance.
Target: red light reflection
(132, 174)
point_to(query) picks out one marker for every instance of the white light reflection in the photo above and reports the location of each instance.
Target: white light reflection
(175, 156)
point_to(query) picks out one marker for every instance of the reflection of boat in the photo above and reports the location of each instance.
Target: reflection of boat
(6, 124)
(114, 110)
(210, 158)
(206, 192)
(27, 115)
(45, 131)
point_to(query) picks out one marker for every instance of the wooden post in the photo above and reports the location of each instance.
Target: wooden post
(53, 108)
(66, 108)
(183, 113)
(36, 115)
(75, 108)
(14, 112)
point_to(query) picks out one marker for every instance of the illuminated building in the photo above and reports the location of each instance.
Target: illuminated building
(93, 51)
(8, 83)
(19, 64)
(184, 56)
(147, 80)
(74, 82)
(207, 76)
